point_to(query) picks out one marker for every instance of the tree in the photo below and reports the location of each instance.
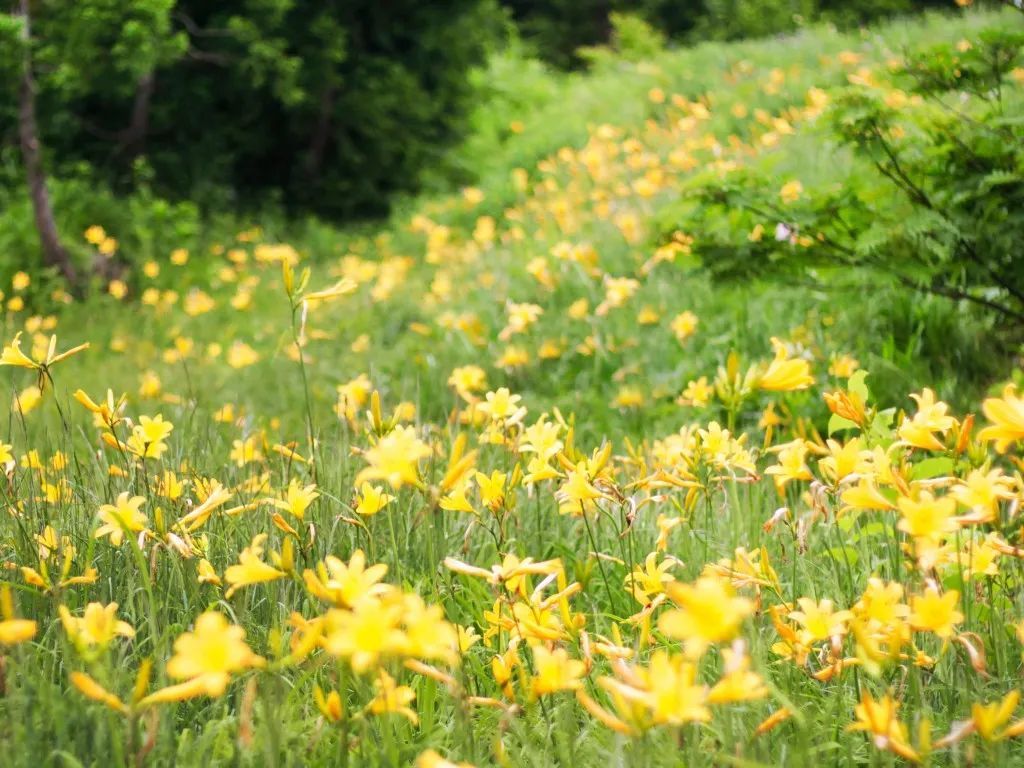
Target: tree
(54, 254)
(332, 106)
(59, 53)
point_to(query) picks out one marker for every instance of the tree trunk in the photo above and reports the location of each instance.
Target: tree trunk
(54, 254)
(133, 138)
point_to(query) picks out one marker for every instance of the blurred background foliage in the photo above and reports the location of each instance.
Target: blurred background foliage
(168, 120)
(330, 106)
(178, 124)
(325, 107)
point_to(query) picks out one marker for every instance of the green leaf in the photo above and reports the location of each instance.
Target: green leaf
(847, 521)
(881, 424)
(876, 528)
(857, 385)
(837, 423)
(845, 554)
(934, 467)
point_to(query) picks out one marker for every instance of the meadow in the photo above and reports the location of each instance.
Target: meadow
(541, 472)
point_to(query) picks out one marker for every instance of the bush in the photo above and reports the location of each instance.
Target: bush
(931, 193)
(560, 28)
(334, 105)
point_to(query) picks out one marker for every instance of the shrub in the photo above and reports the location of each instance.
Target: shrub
(931, 191)
(334, 105)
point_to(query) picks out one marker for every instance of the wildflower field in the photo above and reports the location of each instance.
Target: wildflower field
(543, 471)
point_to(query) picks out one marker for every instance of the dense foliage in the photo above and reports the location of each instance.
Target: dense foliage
(559, 28)
(332, 106)
(929, 187)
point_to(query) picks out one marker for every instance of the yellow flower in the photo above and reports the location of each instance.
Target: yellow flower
(930, 418)
(297, 499)
(105, 413)
(395, 458)
(146, 440)
(880, 720)
(577, 494)
(372, 500)
(989, 719)
(792, 464)
(206, 574)
(928, 517)
(330, 705)
(618, 290)
(153, 429)
(467, 637)
(1007, 416)
(492, 489)
(246, 451)
(843, 366)
(746, 569)
(12, 354)
(648, 580)
(513, 357)
(13, 630)
(89, 688)
(648, 316)
(819, 620)
(251, 569)
(502, 667)
(96, 628)
(864, 495)
(628, 397)
(542, 438)
(520, 318)
(467, 380)
(555, 671)
(27, 400)
(932, 612)
(341, 288)
(392, 698)
(123, 516)
(502, 406)
(784, 373)
(212, 496)
(981, 493)
(431, 759)
(668, 690)
(512, 572)
(843, 460)
(738, 681)
(697, 393)
(365, 634)
(684, 325)
(241, 355)
(791, 191)
(208, 655)
(428, 635)
(848, 405)
(346, 585)
(578, 309)
(882, 602)
(708, 612)
(150, 386)
(456, 500)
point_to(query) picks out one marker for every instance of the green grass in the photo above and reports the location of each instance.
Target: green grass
(412, 296)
